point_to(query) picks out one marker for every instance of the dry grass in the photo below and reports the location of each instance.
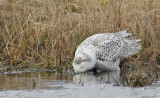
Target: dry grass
(141, 77)
(46, 32)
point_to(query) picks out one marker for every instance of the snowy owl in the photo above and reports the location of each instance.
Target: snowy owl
(103, 51)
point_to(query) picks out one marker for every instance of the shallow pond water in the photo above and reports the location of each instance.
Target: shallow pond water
(67, 85)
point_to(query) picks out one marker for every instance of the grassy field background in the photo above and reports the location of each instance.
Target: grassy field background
(46, 33)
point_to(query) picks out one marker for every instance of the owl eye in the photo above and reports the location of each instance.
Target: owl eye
(129, 37)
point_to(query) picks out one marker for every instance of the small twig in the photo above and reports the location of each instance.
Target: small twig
(35, 52)
(82, 83)
(34, 83)
(18, 2)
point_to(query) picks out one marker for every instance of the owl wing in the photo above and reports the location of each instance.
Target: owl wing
(108, 48)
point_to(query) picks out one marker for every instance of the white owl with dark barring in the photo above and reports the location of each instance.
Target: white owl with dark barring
(103, 51)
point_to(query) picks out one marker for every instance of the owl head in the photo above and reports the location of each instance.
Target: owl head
(132, 46)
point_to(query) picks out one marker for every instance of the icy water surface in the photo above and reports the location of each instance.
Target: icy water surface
(53, 85)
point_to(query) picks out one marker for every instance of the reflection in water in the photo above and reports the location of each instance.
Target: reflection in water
(103, 77)
(43, 80)
(26, 80)
(66, 85)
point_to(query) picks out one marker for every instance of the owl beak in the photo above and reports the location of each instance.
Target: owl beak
(138, 40)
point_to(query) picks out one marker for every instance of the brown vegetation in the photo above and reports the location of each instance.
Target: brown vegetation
(46, 33)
